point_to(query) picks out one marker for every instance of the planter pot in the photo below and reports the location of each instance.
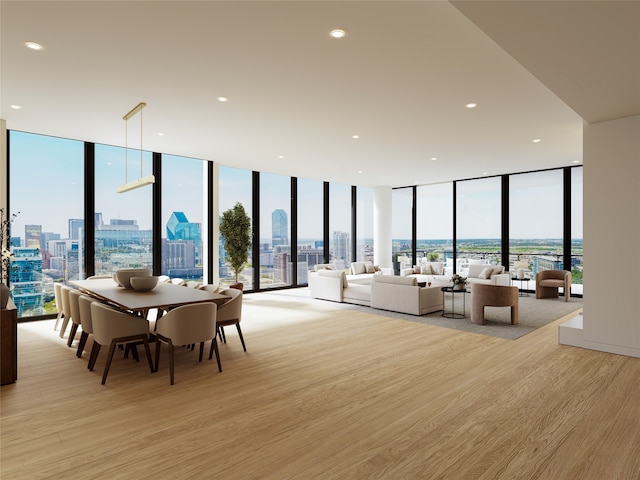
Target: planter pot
(459, 286)
(237, 286)
(4, 295)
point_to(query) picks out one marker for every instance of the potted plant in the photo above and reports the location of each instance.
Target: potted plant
(459, 282)
(235, 229)
(433, 256)
(5, 235)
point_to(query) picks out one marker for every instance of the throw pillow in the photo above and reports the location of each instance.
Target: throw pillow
(426, 270)
(357, 268)
(497, 270)
(486, 273)
(370, 269)
(416, 270)
(376, 268)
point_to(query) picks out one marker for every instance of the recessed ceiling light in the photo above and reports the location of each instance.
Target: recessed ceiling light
(536, 140)
(223, 99)
(355, 136)
(485, 174)
(359, 171)
(160, 134)
(576, 161)
(281, 156)
(471, 105)
(16, 107)
(33, 45)
(433, 159)
(338, 33)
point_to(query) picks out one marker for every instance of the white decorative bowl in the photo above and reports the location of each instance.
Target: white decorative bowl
(123, 276)
(143, 284)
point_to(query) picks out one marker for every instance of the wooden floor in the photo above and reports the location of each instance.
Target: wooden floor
(326, 393)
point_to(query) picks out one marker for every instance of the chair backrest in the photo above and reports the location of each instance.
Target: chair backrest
(109, 324)
(210, 288)
(231, 309)
(74, 306)
(84, 303)
(189, 324)
(164, 278)
(64, 294)
(177, 281)
(57, 291)
(99, 277)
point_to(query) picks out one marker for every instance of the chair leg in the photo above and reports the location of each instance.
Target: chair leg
(158, 343)
(214, 348)
(201, 351)
(223, 337)
(240, 335)
(94, 355)
(83, 341)
(72, 334)
(148, 352)
(112, 349)
(63, 328)
(58, 318)
(171, 363)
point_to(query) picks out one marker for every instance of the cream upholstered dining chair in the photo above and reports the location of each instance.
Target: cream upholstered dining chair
(230, 313)
(112, 327)
(84, 304)
(74, 307)
(57, 291)
(66, 310)
(549, 281)
(187, 325)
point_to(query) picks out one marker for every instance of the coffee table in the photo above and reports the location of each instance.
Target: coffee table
(452, 313)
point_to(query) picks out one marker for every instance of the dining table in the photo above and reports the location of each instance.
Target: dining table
(164, 296)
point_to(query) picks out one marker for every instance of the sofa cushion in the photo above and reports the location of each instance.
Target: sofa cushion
(323, 266)
(486, 273)
(437, 268)
(370, 269)
(410, 281)
(357, 268)
(335, 273)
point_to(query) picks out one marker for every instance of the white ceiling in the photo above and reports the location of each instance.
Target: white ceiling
(400, 80)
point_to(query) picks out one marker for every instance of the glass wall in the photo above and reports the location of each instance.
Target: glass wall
(340, 225)
(401, 228)
(275, 230)
(478, 220)
(123, 221)
(535, 233)
(576, 229)
(234, 185)
(310, 227)
(183, 192)
(364, 225)
(47, 196)
(434, 222)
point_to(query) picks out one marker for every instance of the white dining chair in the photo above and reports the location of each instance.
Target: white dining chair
(66, 311)
(230, 313)
(187, 325)
(84, 303)
(74, 307)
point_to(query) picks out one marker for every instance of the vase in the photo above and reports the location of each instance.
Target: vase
(4, 295)
(459, 286)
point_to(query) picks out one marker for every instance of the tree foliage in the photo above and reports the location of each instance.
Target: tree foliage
(235, 228)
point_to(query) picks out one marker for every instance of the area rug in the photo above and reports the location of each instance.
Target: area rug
(534, 313)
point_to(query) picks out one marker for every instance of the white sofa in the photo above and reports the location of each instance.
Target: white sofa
(333, 285)
(402, 294)
(475, 273)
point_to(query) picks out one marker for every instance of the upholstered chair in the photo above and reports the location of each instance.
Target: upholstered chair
(112, 327)
(74, 307)
(57, 291)
(230, 313)
(187, 325)
(549, 281)
(66, 310)
(493, 296)
(84, 304)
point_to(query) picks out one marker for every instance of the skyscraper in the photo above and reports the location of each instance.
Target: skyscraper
(32, 236)
(279, 228)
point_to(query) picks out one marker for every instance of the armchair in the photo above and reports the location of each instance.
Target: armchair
(549, 281)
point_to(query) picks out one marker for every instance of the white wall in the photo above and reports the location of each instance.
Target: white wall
(611, 319)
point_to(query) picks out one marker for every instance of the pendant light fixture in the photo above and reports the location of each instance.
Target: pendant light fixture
(142, 181)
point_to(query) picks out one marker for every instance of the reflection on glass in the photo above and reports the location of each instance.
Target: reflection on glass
(234, 186)
(340, 225)
(275, 230)
(122, 220)
(47, 189)
(183, 186)
(310, 224)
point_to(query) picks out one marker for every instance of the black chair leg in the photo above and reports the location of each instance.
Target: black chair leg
(171, 363)
(83, 341)
(72, 334)
(158, 343)
(223, 337)
(201, 351)
(94, 355)
(214, 348)
(112, 349)
(148, 352)
(241, 337)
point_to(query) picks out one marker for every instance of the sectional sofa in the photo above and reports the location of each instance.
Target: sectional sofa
(435, 273)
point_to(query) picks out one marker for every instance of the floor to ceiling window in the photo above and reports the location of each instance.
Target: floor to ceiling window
(576, 228)
(310, 225)
(478, 220)
(275, 230)
(123, 221)
(340, 225)
(434, 222)
(535, 220)
(47, 196)
(364, 225)
(234, 185)
(401, 228)
(183, 187)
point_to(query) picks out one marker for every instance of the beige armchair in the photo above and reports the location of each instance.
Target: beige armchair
(230, 313)
(549, 281)
(493, 296)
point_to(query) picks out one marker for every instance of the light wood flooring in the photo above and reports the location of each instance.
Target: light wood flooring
(326, 393)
